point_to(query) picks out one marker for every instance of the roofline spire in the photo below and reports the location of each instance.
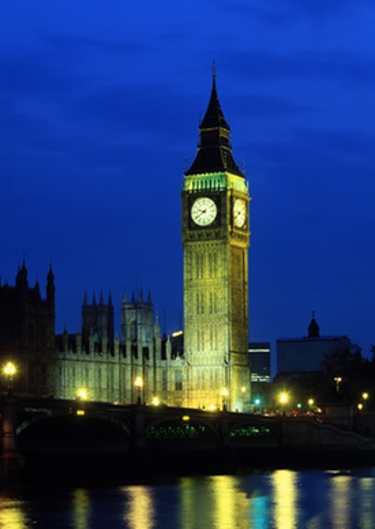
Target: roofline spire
(213, 70)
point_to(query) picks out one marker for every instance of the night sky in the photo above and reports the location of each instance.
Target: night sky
(100, 104)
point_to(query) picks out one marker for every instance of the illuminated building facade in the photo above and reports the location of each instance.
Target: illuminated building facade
(215, 237)
(208, 365)
(141, 365)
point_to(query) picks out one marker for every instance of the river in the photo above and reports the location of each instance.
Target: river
(282, 499)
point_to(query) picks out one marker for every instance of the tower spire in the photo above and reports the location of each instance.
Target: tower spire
(213, 70)
(214, 151)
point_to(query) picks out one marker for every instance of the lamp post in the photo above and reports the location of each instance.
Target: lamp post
(139, 384)
(283, 401)
(9, 370)
(338, 381)
(82, 396)
(364, 398)
(224, 394)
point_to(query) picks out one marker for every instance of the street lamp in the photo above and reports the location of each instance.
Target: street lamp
(138, 384)
(338, 381)
(9, 370)
(364, 398)
(283, 400)
(82, 394)
(224, 394)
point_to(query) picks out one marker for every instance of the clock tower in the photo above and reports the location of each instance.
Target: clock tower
(215, 237)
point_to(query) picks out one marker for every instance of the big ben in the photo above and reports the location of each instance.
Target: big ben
(215, 237)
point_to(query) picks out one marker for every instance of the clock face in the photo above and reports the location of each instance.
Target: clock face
(239, 213)
(203, 211)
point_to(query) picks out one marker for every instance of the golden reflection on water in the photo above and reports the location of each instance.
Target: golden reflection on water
(214, 502)
(81, 509)
(12, 514)
(340, 500)
(140, 510)
(231, 505)
(285, 497)
(367, 496)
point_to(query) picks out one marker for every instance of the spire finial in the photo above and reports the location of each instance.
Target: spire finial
(213, 70)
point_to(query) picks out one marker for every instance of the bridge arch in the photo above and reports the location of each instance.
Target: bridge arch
(53, 433)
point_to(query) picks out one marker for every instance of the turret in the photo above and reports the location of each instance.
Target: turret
(21, 278)
(50, 290)
(313, 328)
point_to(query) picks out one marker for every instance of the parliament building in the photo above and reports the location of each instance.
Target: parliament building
(205, 366)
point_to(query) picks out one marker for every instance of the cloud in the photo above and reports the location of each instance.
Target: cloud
(351, 67)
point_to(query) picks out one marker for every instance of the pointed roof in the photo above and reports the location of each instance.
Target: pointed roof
(313, 328)
(214, 150)
(50, 275)
(85, 299)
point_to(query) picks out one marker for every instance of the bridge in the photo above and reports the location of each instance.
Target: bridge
(54, 433)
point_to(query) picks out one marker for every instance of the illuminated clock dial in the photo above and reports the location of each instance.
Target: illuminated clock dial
(203, 211)
(239, 213)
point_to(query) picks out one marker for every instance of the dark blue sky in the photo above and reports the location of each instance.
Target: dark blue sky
(100, 104)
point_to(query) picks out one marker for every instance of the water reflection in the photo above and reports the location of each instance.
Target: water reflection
(285, 498)
(340, 500)
(139, 510)
(13, 514)
(81, 509)
(281, 499)
(365, 498)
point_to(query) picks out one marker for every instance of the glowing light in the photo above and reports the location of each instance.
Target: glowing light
(155, 401)
(9, 369)
(80, 412)
(138, 383)
(284, 398)
(365, 396)
(82, 394)
(185, 418)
